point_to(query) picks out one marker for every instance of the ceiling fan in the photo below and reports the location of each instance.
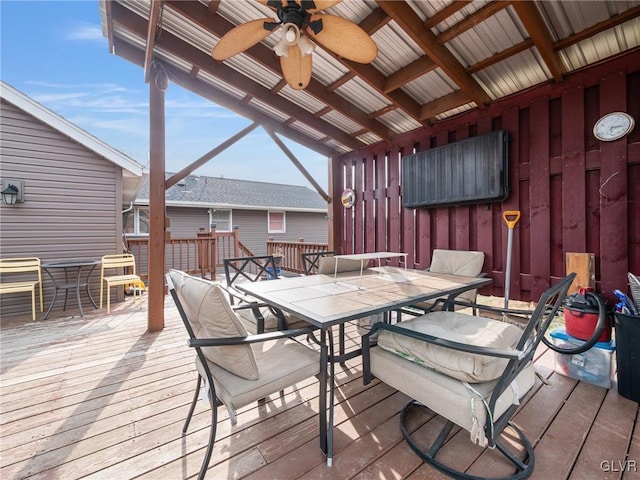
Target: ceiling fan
(301, 22)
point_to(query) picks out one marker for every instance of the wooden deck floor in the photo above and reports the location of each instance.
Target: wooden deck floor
(99, 397)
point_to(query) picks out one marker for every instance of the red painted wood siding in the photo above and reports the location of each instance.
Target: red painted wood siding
(576, 194)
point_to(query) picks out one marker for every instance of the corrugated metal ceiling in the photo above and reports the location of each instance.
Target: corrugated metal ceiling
(402, 89)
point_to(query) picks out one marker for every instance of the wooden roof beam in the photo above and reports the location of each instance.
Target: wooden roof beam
(444, 104)
(323, 111)
(477, 17)
(445, 13)
(152, 34)
(134, 55)
(382, 111)
(407, 74)
(414, 27)
(598, 27)
(186, 52)
(297, 163)
(189, 169)
(341, 81)
(375, 21)
(534, 23)
(500, 56)
(198, 14)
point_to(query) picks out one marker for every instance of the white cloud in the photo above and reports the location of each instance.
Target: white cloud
(85, 31)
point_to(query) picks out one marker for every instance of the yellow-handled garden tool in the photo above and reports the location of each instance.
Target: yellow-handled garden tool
(511, 218)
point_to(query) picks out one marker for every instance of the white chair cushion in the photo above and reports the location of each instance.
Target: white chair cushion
(327, 265)
(457, 262)
(448, 396)
(282, 363)
(210, 314)
(457, 327)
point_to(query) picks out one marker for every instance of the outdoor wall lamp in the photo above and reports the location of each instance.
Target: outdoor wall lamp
(12, 191)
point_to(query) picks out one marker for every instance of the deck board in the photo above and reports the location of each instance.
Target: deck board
(99, 397)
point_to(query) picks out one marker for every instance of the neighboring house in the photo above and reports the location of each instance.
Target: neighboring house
(259, 210)
(74, 188)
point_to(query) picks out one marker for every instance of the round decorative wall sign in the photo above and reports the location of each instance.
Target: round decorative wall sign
(613, 126)
(348, 198)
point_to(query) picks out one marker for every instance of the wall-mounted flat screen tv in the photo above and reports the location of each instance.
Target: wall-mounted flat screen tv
(473, 170)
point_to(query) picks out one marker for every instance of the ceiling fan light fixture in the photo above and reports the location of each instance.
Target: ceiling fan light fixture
(306, 46)
(281, 48)
(291, 34)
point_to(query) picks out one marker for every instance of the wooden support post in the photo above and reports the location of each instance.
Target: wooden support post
(156, 267)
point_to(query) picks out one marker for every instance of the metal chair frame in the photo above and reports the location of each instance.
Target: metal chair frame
(310, 260)
(198, 343)
(519, 357)
(23, 265)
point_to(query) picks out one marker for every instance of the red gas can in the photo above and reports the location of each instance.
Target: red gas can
(581, 313)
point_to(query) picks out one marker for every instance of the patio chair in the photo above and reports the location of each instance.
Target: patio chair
(16, 266)
(471, 370)
(261, 317)
(310, 261)
(237, 369)
(119, 262)
(453, 262)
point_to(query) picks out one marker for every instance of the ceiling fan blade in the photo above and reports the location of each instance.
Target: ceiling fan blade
(243, 36)
(296, 68)
(319, 5)
(343, 37)
(272, 4)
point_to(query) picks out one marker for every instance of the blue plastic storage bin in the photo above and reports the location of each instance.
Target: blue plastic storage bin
(595, 366)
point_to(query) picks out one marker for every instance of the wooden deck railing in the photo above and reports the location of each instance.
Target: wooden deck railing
(204, 254)
(291, 259)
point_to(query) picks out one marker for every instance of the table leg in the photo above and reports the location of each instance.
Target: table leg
(66, 290)
(95, 305)
(78, 292)
(55, 294)
(331, 380)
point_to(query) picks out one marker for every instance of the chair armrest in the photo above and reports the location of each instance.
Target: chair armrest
(510, 353)
(261, 337)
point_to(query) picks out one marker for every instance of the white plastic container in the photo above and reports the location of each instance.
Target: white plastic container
(595, 366)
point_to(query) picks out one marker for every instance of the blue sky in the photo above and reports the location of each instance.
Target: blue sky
(54, 52)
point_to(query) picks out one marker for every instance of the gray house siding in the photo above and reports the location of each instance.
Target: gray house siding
(312, 227)
(186, 222)
(72, 207)
(252, 226)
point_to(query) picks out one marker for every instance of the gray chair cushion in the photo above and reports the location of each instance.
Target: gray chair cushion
(448, 396)
(456, 262)
(327, 265)
(210, 314)
(281, 363)
(457, 327)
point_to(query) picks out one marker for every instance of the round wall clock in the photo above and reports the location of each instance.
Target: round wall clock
(613, 126)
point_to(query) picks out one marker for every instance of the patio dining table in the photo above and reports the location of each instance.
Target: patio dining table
(328, 300)
(76, 276)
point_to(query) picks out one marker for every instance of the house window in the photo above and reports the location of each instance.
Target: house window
(276, 221)
(221, 219)
(137, 222)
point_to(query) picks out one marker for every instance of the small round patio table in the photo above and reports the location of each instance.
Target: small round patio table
(73, 280)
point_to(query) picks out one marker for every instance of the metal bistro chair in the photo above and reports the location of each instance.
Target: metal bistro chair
(122, 261)
(237, 368)
(261, 317)
(311, 261)
(28, 265)
(469, 369)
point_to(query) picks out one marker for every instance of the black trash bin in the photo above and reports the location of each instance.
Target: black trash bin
(628, 355)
